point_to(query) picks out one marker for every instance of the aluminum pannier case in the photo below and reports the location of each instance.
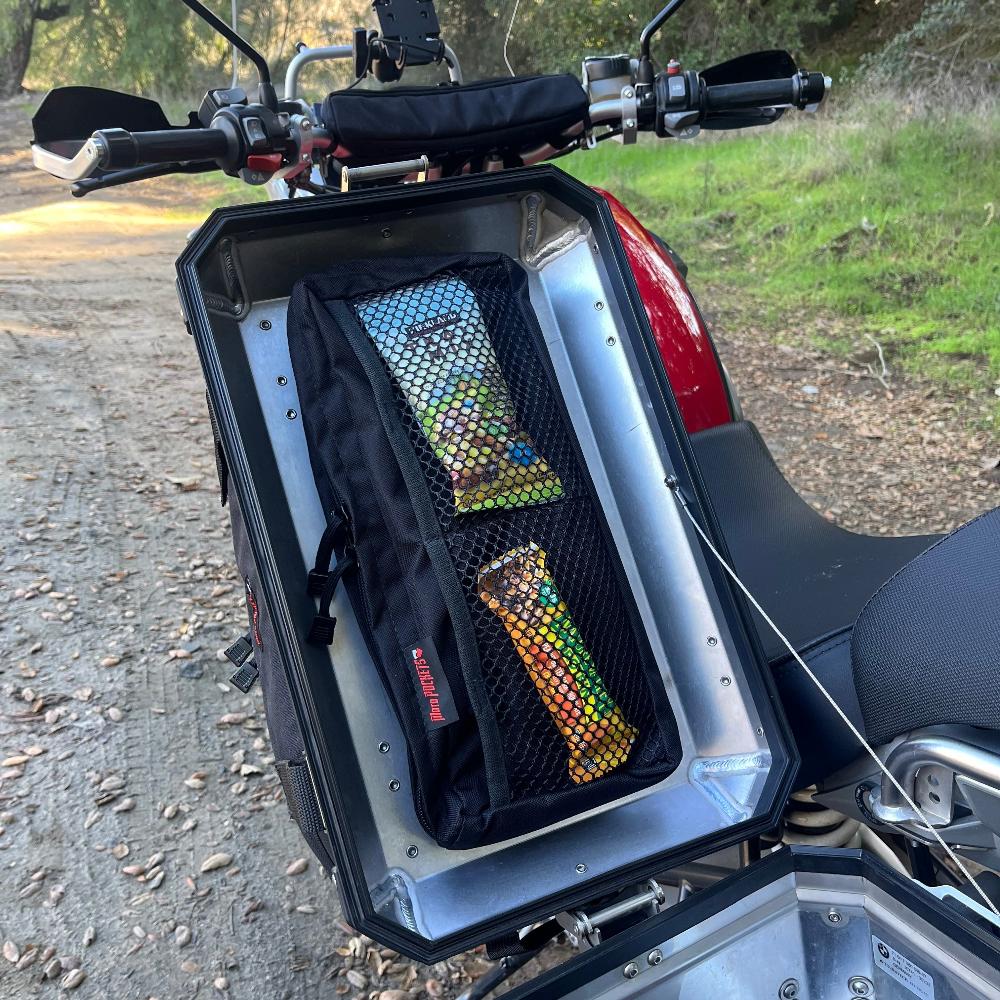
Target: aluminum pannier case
(500, 675)
(804, 924)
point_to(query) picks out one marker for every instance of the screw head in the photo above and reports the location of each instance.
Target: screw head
(291, 414)
(789, 989)
(281, 380)
(598, 305)
(611, 341)
(412, 851)
(394, 785)
(265, 324)
(581, 868)
(630, 971)
(386, 233)
(712, 640)
(655, 957)
(725, 681)
(627, 93)
(835, 917)
(629, 123)
(860, 986)
(383, 747)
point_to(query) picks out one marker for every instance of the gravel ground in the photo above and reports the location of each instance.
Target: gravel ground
(144, 847)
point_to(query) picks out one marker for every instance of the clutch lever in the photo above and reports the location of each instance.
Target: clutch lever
(88, 184)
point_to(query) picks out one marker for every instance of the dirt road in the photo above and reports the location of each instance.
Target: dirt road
(129, 765)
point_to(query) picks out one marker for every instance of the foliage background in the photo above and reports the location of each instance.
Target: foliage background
(156, 47)
(876, 218)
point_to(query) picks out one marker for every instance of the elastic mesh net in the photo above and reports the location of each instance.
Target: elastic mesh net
(557, 652)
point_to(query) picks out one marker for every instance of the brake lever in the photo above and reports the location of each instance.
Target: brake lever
(81, 188)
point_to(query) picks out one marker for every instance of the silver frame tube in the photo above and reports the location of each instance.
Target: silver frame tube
(306, 55)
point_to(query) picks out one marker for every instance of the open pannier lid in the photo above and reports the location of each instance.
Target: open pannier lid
(803, 924)
(397, 884)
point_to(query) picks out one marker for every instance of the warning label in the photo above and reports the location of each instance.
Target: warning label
(905, 972)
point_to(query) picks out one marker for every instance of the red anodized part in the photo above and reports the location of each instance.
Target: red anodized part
(684, 344)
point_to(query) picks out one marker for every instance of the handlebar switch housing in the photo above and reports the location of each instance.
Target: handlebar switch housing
(678, 104)
(215, 100)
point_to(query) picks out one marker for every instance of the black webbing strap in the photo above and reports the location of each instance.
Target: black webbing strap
(324, 623)
(324, 553)
(221, 465)
(299, 795)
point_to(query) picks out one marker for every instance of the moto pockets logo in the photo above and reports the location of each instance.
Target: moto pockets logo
(431, 685)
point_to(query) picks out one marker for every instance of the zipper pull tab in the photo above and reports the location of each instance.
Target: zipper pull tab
(239, 654)
(245, 676)
(240, 650)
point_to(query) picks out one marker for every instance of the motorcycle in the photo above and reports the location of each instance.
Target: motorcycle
(882, 650)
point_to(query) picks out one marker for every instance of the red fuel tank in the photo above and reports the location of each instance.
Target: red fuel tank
(685, 346)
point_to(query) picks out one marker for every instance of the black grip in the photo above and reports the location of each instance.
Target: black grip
(756, 94)
(797, 91)
(176, 145)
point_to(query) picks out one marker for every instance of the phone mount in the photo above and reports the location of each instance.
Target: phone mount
(409, 35)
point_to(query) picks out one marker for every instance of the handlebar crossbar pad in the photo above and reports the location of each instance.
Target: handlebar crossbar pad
(377, 126)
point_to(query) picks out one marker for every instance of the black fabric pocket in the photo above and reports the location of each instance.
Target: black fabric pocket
(493, 601)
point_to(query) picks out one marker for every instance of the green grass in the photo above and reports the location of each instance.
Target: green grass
(884, 225)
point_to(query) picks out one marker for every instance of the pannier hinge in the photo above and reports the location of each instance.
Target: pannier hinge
(587, 928)
(384, 171)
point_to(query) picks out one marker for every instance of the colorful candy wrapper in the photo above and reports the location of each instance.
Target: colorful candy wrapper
(519, 589)
(433, 338)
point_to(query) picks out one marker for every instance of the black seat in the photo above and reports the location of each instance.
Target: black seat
(926, 647)
(376, 126)
(810, 576)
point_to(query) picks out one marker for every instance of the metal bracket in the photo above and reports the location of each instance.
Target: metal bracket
(383, 171)
(630, 115)
(587, 927)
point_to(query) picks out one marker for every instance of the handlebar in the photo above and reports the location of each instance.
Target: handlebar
(797, 91)
(256, 143)
(118, 149)
(122, 149)
(685, 101)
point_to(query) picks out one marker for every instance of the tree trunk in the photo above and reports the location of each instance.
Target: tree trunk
(15, 45)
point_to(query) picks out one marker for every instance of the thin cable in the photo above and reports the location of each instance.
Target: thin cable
(675, 490)
(510, 28)
(236, 52)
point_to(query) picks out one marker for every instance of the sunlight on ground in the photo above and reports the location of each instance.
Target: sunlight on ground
(65, 216)
(70, 227)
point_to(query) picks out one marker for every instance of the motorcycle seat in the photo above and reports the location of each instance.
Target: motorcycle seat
(926, 647)
(376, 126)
(810, 575)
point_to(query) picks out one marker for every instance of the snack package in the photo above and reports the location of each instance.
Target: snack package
(433, 338)
(519, 589)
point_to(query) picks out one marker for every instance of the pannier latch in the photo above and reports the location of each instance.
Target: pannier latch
(587, 928)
